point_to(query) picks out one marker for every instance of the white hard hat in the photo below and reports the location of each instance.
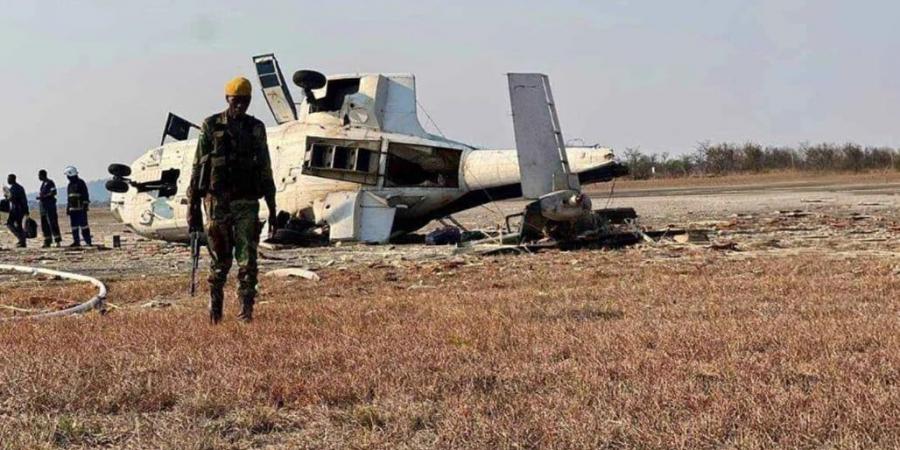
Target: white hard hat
(70, 171)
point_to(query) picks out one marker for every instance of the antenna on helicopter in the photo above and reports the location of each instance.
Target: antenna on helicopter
(308, 80)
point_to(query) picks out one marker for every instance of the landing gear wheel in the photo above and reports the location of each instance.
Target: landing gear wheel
(119, 170)
(117, 186)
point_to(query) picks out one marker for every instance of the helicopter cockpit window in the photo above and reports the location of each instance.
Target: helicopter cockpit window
(421, 166)
(355, 161)
(162, 209)
(335, 91)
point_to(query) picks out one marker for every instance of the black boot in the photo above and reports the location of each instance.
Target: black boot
(246, 314)
(76, 238)
(216, 300)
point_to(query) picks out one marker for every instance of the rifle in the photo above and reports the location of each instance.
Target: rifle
(195, 260)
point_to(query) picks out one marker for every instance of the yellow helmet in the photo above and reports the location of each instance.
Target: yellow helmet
(239, 86)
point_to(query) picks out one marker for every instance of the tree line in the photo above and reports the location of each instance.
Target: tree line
(730, 158)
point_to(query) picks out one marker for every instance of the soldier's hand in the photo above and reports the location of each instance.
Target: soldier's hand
(195, 224)
(273, 226)
(195, 218)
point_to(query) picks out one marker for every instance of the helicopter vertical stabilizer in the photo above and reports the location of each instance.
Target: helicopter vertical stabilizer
(541, 149)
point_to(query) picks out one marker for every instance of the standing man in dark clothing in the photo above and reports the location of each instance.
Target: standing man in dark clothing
(232, 171)
(77, 207)
(18, 210)
(49, 218)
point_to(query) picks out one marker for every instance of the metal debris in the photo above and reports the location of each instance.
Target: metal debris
(294, 272)
(792, 213)
(691, 236)
(724, 246)
(96, 302)
(157, 304)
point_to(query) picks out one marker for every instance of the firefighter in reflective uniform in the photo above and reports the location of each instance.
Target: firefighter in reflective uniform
(232, 170)
(49, 218)
(77, 207)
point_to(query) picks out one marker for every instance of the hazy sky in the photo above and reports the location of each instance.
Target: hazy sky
(89, 83)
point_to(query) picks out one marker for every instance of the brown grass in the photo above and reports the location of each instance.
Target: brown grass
(557, 350)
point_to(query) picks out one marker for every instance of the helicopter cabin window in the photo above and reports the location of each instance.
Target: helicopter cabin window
(335, 91)
(421, 166)
(354, 161)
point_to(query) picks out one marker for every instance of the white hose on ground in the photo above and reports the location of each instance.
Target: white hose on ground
(94, 303)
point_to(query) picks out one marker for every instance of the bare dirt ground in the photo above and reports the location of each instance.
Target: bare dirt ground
(781, 330)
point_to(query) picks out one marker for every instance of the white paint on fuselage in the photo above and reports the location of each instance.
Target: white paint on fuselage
(166, 218)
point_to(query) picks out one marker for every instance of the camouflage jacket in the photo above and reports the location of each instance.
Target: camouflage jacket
(232, 160)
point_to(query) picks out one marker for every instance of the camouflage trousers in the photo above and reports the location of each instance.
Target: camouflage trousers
(232, 231)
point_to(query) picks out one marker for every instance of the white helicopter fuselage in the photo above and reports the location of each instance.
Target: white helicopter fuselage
(165, 218)
(365, 149)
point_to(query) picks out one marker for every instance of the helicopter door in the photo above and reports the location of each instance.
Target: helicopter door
(275, 89)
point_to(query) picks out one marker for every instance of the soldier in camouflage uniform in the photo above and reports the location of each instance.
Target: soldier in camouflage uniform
(232, 171)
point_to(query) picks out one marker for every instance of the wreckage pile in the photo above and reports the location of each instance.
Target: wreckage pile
(779, 232)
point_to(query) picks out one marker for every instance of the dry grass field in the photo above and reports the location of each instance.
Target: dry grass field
(787, 339)
(558, 350)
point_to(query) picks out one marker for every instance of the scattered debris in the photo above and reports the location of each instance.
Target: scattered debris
(497, 249)
(709, 224)
(691, 236)
(267, 255)
(113, 241)
(792, 213)
(157, 304)
(295, 272)
(444, 236)
(95, 302)
(724, 246)
(420, 285)
(21, 310)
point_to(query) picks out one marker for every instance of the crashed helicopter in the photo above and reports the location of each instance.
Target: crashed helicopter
(353, 160)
